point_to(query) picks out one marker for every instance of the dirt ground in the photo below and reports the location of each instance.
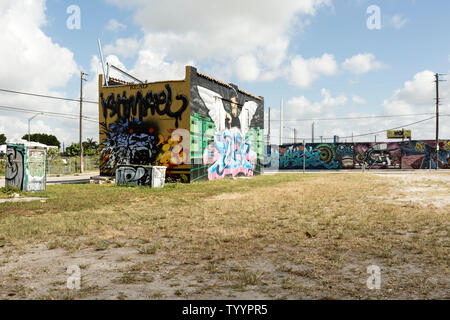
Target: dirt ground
(324, 255)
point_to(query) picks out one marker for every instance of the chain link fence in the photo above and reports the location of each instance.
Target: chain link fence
(63, 165)
(71, 165)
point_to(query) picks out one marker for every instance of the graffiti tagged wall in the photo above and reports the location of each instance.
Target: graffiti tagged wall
(227, 130)
(198, 128)
(384, 155)
(145, 124)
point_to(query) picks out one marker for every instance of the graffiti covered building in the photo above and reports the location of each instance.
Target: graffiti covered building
(415, 154)
(199, 127)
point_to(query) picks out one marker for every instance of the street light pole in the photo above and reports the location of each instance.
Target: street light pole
(29, 120)
(81, 120)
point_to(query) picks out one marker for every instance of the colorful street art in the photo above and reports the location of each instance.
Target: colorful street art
(227, 130)
(137, 125)
(383, 155)
(422, 154)
(378, 155)
(198, 128)
(230, 154)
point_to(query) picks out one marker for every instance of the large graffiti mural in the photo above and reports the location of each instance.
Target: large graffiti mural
(378, 155)
(422, 154)
(197, 128)
(226, 130)
(384, 155)
(145, 124)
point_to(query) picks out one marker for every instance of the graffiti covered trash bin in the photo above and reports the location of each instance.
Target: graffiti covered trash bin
(158, 176)
(26, 167)
(140, 175)
(135, 175)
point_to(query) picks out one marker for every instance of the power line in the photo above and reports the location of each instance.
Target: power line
(356, 118)
(381, 131)
(46, 96)
(48, 113)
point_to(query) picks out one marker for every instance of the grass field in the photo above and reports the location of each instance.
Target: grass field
(289, 236)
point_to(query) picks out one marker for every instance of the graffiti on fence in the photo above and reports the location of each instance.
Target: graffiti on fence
(422, 154)
(133, 175)
(14, 166)
(378, 155)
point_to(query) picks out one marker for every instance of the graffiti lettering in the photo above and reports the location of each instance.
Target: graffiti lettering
(230, 155)
(124, 106)
(133, 175)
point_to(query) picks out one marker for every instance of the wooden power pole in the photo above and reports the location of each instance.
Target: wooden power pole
(81, 119)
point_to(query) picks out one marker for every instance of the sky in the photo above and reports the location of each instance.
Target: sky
(326, 59)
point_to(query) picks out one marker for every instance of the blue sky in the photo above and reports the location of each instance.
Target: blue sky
(294, 49)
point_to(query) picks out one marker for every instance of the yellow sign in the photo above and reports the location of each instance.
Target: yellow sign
(399, 134)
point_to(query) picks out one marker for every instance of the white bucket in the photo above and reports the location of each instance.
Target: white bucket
(158, 177)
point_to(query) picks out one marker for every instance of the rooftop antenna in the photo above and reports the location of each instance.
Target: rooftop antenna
(124, 73)
(105, 78)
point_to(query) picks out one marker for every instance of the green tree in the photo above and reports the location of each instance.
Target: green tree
(2, 139)
(47, 139)
(90, 148)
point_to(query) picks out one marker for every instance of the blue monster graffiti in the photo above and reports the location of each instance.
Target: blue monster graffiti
(128, 142)
(230, 155)
(345, 154)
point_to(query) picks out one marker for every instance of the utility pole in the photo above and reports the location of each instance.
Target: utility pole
(81, 119)
(295, 136)
(312, 134)
(375, 139)
(304, 156)
(281, 122)
(437, 116)
(268, 132)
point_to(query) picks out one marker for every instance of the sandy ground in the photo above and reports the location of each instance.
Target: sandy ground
(109, 270)
(421, 187)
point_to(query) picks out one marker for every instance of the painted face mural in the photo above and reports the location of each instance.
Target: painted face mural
(129, 142)
(230, 153)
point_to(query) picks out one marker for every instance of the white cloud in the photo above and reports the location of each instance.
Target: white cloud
(33, 63)
(216, 33)
(303, 72)
(398, 21)
(124, 47)
(246, 68)
(358, 100)
(298, 107)
(418, 96)
(362, 63)
(115, 26)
